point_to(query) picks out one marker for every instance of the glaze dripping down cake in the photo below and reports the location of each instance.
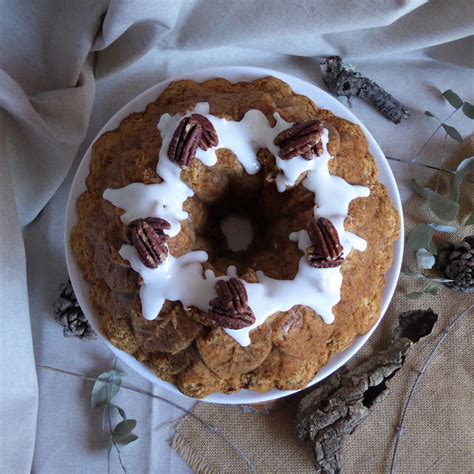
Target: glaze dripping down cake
(164, 283)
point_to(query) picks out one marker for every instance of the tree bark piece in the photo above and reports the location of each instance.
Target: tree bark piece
(336, 407)
(342, 80)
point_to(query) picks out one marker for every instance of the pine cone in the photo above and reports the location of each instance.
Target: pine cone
(456, 262)
(69, 314)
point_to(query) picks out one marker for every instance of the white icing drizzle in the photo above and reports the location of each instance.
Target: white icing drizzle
(182, 279)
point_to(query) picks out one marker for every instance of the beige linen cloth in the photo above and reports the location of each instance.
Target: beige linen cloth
(55, 54)
(438, 432)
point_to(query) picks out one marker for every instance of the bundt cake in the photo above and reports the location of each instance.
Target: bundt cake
(164, 283)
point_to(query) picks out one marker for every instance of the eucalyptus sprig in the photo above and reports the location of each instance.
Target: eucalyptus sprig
(431, 289)
(105, 388)
(433, 283)
(458, 104)
(444, 206)
(447, 207)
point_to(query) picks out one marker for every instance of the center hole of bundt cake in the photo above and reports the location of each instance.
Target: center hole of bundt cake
(237, 230)
(250, 228)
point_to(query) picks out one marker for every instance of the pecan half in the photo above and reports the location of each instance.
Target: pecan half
(302, 139)
(158, 224)
(230, 308)
(209, 138)
(149, 240)
(184, 143)
(192, 132)
(326, 251)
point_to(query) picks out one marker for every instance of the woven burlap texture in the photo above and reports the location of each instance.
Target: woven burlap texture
(438, 433)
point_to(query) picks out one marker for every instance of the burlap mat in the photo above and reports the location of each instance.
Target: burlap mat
(439, 427)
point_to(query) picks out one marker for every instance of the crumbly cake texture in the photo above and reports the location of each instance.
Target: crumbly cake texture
(181, 345)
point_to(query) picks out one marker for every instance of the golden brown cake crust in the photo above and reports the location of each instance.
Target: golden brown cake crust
(181, 345)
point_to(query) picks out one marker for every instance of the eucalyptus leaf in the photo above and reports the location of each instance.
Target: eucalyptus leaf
(424, 259)
(432, 248)
(131, 438)
(464, 168)
(120, 410)
(447, 229)
(421, 190)
(407, 271)
(420, 237)
(431, 289)
(470, 219)
(428, 113)
(453, 133)
(453, 98)
(124, 429)
(414, 295)
(100, 394)
(441, 206)
(468, 110)
(105, 388)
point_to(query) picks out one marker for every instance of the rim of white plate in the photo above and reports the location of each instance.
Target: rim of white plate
(234, 74)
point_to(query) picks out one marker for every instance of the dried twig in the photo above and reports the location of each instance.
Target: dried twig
(342, 80)
(332, 411)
